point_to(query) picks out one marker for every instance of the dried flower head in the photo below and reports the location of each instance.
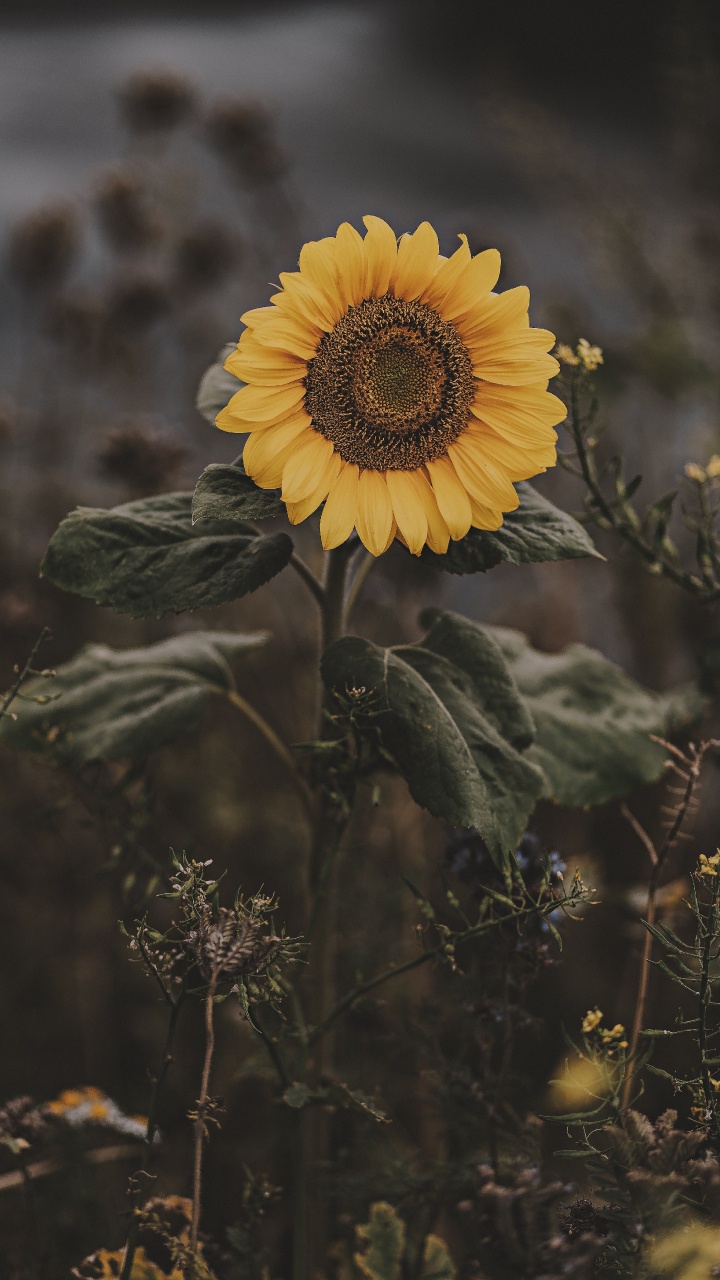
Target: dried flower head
(229, 944)
(43, 247)
(144, 459)
(154, 101)
(241, 133)
(23, 1123)
(136, 304)
(205, 255)
(123, 213)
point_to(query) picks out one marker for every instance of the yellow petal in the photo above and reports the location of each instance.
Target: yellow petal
(438, 534)
(417, 262)
(521, 414)
(513, 359)
(257, 317)
(495, 314)
(350, 265)
(518, 462)
(262, 366)
(265, 404)
(375, 514)
(452, 497)
(408, 507)
(340, 511)
(303, 470)
(299, 338)
(302, 300)
(481, 477)
(476, 280)
(447, 275)
(266, 453)
(485, 517)
(325, 479)
(380, 255)
(317, 263)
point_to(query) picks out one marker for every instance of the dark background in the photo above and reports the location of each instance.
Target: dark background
(582, 142)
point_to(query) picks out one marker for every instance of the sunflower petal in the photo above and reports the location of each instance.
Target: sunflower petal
(483, 480)
(299, 338)
(475, 281)
(350, 265)
(380, 255)
(325, 479)
(447, 275)
(302, 471)
(417, 262)
(317, 264)
(266, 453)
(408, 506)
(451, 496)
(265, 404)
(375, 514)
(340, 511)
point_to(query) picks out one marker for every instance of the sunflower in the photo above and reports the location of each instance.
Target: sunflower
(392, 385)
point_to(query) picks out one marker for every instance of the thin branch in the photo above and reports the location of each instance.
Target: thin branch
(308, 578)
(364, 570)
(200, 1126)
(276, 743)
(43, 1168)
(27, 670)
(640, 832)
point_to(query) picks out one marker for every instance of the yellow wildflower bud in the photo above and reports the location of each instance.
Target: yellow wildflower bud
(712, 469)
(708, 866)
(590, 357)
(694, 472)
(592, 1019)
(565, 354)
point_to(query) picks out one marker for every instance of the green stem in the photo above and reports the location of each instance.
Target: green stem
(704, 996)
(365, 568)
(200, 1125)
(273, 741)
(152, 1126)
(308, 578)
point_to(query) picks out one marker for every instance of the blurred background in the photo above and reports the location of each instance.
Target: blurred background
(161, 163)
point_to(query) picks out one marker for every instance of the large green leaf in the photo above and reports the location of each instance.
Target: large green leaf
(225, 492)
(111, 703)
(217, 387)
(147, 559)
(593, 722)
(536, 531)
(447, 714)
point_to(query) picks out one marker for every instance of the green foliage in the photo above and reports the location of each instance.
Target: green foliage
(110, 703)
(146, 558)
(481, 725)
(384, 1236)
(536, 531)
(433, 720)
(593, 723)
(217, 386)
(225, 492)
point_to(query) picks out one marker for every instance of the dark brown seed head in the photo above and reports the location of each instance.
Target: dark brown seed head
(391, 385)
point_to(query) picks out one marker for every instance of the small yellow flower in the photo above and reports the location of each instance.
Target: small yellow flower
(696, 473)
(592, 1019)
(98, 1111)
(712, 470)
(396, 387)
(565, 354)
(590, 357)
(708, 866)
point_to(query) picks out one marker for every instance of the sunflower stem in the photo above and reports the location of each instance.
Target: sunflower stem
(362, 574)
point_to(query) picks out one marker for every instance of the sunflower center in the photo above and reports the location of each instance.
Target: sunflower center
(391, 385)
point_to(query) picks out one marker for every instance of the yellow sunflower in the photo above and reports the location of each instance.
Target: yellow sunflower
(392, 385)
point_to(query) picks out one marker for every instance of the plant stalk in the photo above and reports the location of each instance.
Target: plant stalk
(200, 1127)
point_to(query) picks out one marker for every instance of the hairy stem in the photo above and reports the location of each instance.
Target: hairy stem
(308, 577)
(362, 574)
(152, 1125)
(200, 1119)
(275, 742)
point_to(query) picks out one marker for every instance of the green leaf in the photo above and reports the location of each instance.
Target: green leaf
(217, 386)
(384, 1235)
(437, 1263)
(298, 1095)
(112, 703)
(225, 492)
(536, 531)
(146, 558)
(447, 714)
(593, 722)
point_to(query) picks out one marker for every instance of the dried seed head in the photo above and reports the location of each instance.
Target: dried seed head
(155, 101)
(125, 219)
(205, 255)
(241, 133)
(229, 945)
(43, 247)
(145, 460)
